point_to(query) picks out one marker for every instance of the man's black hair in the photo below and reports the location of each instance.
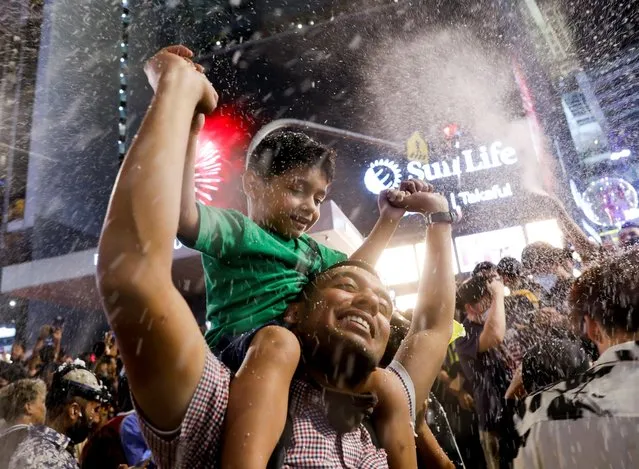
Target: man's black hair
(312, 279)
(281, 152)
(471, 291)
(484, 266)
(608, 292)
(510, 266)
(12, 372)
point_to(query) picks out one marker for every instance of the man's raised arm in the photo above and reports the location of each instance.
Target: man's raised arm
(160, 343)
(424, 348)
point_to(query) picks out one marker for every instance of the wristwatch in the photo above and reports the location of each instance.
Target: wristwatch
(441, 217)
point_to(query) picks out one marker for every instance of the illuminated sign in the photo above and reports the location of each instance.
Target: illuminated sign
(385, 174)
(176, 245)
(476, 196)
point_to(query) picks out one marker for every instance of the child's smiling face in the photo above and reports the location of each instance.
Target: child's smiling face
(288, 204)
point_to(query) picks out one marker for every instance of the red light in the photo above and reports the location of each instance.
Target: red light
(450, 130)
(207, 170)
(220, 142)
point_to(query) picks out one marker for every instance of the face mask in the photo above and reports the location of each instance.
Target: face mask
(80, 429)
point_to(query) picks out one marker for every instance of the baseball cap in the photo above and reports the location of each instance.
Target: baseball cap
(74, 380)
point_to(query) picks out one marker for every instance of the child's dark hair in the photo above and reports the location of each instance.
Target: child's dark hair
(281, 152)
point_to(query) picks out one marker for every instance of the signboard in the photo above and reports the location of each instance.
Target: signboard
(384, 174)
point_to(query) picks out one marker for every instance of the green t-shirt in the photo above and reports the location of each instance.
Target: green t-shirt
(251, 274)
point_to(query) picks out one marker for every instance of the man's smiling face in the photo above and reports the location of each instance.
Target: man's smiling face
(347, 309)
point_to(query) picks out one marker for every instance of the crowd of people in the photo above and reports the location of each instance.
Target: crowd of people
(306, 362)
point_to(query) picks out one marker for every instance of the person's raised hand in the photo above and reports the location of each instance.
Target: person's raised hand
(176, 61)
(422, 202)
(411, 186)
(496, 286)
(388, 210)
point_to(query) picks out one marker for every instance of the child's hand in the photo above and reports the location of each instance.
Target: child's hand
(421, 202)
(177, 59)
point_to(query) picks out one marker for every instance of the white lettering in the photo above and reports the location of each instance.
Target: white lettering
(414, 168)
(470, 165)
(386, 174)
(477, 196)
(432, 171)
(483, 154)
(508, 155)
(495, 154)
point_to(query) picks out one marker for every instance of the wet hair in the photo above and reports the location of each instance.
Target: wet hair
(15, 396)
(510, 266)
(609, 293)
(12, 372)
(313, 278)
(482, 267)
(471, 291)
(281, 152)
(540, 256)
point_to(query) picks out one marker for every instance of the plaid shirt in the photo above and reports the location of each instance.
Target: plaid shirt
(315, 444)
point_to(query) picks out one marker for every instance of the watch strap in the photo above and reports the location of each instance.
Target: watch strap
(442, 217)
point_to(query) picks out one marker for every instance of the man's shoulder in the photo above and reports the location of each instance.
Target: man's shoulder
(606, 390)
(44, 448)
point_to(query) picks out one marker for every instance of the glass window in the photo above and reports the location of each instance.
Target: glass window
(398, 265)
(489, 246)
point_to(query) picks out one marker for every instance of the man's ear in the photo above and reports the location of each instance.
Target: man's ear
(74, 411)
(293, 313)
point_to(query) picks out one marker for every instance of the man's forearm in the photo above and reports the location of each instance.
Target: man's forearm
(436, 298)
(495, 323)
(373, 246)
(142, 220)
(574, 234)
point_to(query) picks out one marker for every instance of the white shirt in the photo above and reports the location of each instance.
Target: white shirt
(590, 421)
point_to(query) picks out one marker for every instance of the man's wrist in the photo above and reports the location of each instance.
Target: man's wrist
(179, 80)
(439, 217)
